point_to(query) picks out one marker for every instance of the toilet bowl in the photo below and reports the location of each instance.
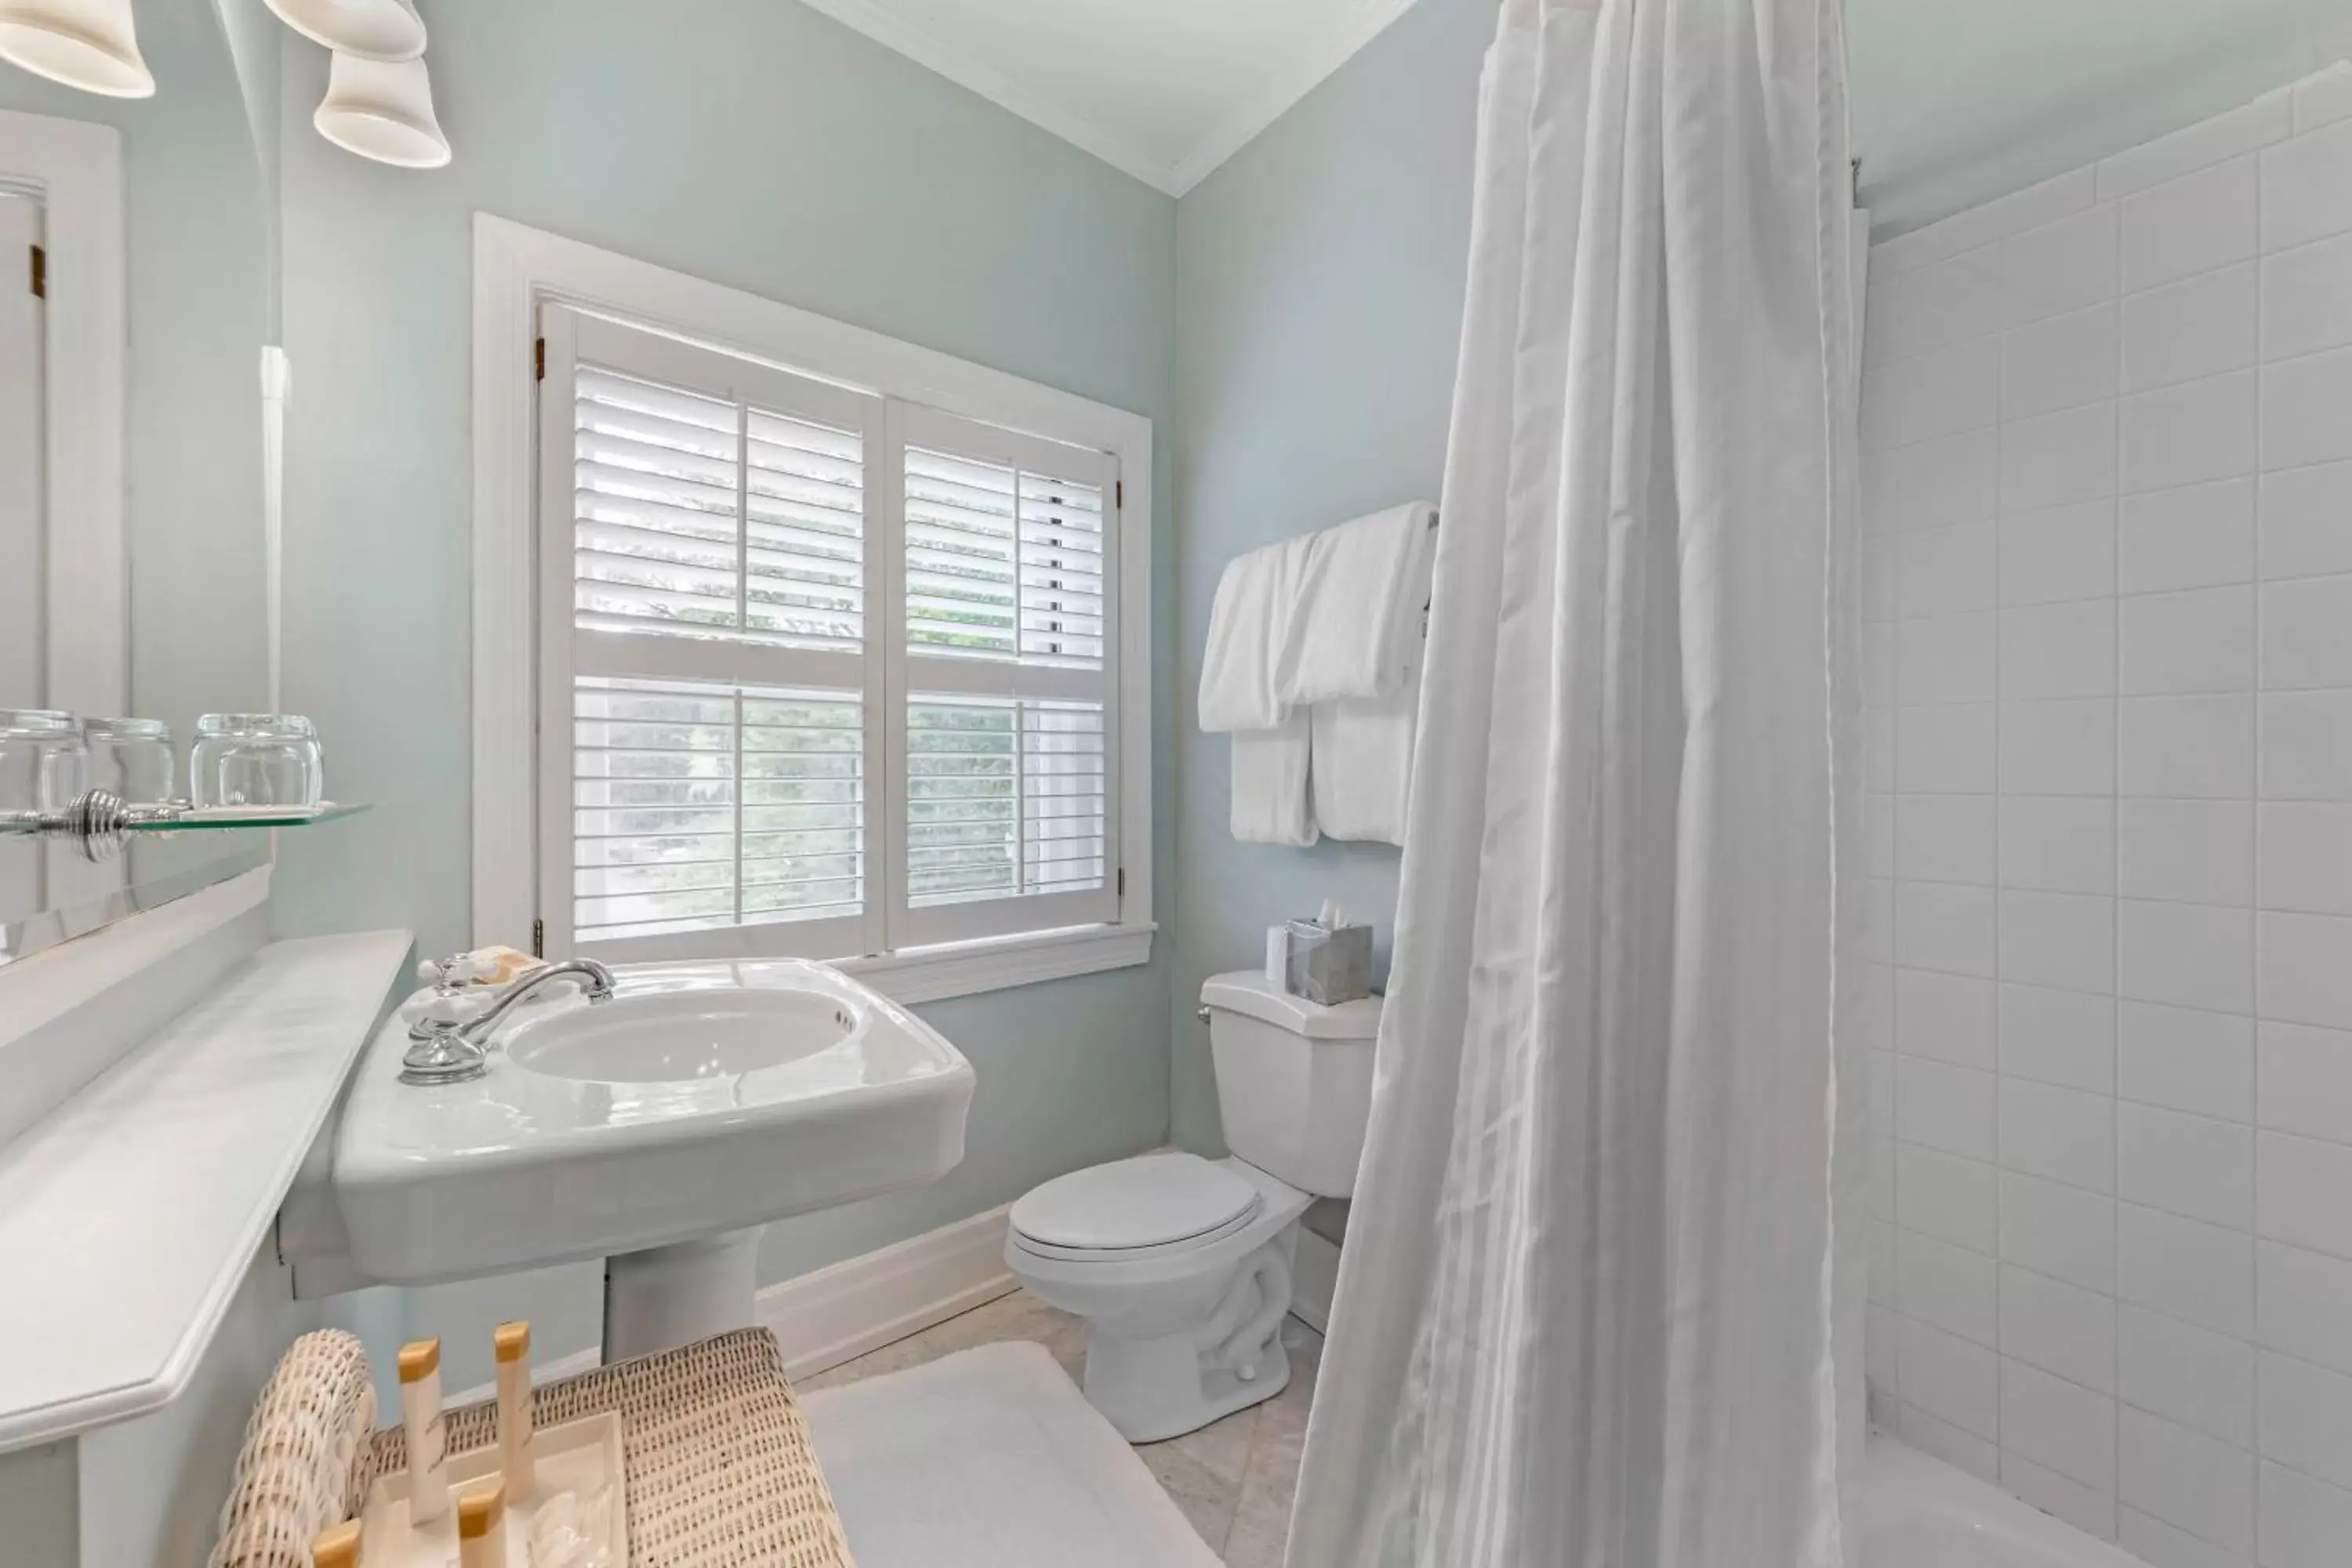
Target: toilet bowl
(1181, 1266)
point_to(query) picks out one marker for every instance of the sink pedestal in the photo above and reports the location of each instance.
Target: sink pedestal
(666, 1297)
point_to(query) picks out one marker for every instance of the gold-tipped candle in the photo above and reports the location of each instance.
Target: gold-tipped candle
(420, 1413)
(512, 1341)
(481, 1525)
(336, 1547)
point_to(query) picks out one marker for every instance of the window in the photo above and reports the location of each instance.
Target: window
(821, 671)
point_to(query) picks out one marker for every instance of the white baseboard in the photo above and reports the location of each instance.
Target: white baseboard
(861, 1304)
(1314, 1277)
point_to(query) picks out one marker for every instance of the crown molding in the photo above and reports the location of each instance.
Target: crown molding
(1322, 56)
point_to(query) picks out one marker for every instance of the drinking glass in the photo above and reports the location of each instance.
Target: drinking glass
(255, 760)
(132, 757)
(43, 759)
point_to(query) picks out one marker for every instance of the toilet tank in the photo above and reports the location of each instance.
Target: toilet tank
(1293, 1080)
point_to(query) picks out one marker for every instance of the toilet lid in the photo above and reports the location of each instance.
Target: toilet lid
(1149, 1201)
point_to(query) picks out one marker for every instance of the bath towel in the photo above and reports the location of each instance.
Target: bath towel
(1357, 626)
(1247, 625)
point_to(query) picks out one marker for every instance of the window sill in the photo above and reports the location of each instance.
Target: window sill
(999, 963)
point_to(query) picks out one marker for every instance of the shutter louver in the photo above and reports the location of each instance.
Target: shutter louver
(1005, 798)
(697, 808)
(704, 517)
(1003, 563)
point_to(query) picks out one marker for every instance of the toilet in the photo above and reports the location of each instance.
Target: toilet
(1181, 1266)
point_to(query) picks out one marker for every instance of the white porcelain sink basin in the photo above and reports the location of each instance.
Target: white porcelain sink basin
(681, 1036)
(701, 1100)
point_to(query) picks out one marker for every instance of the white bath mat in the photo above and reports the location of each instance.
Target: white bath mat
(990, 1459)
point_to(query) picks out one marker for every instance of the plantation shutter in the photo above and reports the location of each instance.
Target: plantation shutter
(1004, 783)
(708, 760)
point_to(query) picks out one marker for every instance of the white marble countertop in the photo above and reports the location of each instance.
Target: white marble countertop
(128, 1215)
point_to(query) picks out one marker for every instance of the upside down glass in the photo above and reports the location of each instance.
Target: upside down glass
(255, 760)
(43, 760)
(132, 757)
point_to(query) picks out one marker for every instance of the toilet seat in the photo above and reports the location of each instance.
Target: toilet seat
(1151, 1205)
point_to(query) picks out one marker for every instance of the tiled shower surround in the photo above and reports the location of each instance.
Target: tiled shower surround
(2107, 452)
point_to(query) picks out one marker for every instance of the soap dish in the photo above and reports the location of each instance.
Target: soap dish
(581, 1459)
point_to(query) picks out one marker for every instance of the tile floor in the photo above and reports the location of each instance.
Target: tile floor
(1233, 1479)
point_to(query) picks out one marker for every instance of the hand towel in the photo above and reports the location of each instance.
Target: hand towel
(1362, 766)
(1270, 768)
(1361, 762)
(1357, 629)
(1247, 627)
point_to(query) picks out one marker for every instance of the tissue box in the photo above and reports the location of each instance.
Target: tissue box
(1329, 966)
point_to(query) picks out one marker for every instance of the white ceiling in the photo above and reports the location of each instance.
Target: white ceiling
(1165, 89)
(1956, 101)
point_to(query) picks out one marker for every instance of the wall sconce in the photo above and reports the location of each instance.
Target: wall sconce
(383, 110)
(87, 44)
(387, 30)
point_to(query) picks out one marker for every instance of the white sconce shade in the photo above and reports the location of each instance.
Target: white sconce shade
(383, 111)
(388, 30)
(87, 44)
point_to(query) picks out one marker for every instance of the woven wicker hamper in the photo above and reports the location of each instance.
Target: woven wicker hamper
(720, 1471)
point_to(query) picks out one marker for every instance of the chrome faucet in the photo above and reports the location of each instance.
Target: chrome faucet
(444, 1050)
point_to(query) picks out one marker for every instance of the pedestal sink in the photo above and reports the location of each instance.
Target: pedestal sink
(657, 1130)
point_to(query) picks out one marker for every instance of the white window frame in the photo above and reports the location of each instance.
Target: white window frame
(518, 269)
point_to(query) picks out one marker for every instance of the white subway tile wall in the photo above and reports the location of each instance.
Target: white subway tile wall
(2107, 452)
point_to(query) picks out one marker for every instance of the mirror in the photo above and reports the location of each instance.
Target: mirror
(134, 573)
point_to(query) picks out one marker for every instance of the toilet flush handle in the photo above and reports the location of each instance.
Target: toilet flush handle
(1202, 1013)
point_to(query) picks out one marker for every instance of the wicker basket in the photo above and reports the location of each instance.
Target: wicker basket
(720, 1471)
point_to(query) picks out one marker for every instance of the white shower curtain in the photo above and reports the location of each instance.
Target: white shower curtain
(1600, 1302)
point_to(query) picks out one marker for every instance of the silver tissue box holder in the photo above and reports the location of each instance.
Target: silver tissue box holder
(1328, 965)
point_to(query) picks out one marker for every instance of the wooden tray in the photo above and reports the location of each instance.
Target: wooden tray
(582, 1457)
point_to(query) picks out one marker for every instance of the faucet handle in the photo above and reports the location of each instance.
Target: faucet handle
(457, 969)
(449, 1004)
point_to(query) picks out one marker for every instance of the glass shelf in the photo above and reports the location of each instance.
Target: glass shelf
(99, 823)
(188, 818)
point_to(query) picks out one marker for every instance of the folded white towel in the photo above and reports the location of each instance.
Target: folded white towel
(1247, 627)
(1362, 765)
(1270, 767)
(1358, 625)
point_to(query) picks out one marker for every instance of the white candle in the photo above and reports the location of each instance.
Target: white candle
(420, 1411)
(513, 1343)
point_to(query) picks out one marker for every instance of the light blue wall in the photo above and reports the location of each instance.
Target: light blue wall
(757, 143)
(1319, 278)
